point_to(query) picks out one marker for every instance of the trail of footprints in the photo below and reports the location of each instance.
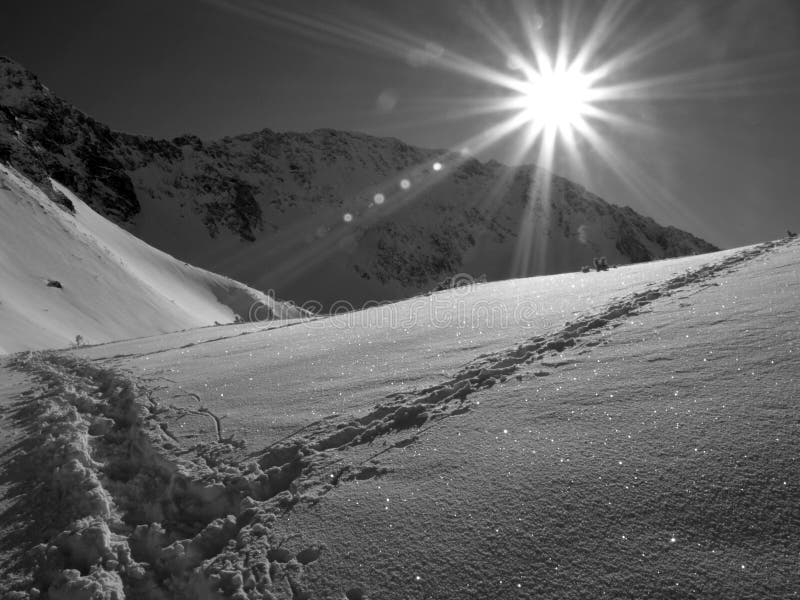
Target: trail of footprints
(133, 520)
(403, 411)
(140, 522)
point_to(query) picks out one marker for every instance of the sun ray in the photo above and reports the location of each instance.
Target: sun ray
(643, 184)
(608, 20)
(569, 90)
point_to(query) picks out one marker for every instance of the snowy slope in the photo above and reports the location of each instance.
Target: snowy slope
(112, 285)
(342, 364)
(632, 433)
(654, 459)
(269, 208)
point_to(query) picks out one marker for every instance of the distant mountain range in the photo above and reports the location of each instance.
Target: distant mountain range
(326, 215)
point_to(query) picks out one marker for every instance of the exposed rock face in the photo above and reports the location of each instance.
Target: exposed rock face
(267, 208)
(42, 135)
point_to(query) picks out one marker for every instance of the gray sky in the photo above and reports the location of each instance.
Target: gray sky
(706, 93)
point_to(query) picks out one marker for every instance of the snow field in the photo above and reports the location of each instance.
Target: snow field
(309, 514)
(268, 384)
(655, 457)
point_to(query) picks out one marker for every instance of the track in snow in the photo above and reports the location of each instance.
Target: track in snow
(450, 398)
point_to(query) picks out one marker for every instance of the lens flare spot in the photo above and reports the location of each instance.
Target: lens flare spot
(378, 198)
(348, 217)
(405, 184)
(387, 101)
(515, 62)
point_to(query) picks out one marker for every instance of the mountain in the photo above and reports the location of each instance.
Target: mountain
(66, 271)
(325, 215)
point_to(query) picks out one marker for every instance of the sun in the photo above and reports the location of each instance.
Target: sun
(556, 99)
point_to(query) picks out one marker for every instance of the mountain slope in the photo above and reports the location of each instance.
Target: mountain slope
(326, 215)
(68, 272)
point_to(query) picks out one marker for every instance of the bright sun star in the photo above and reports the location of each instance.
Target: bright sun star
(556, 99)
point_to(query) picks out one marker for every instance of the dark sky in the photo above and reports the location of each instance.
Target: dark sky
(709, 143)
